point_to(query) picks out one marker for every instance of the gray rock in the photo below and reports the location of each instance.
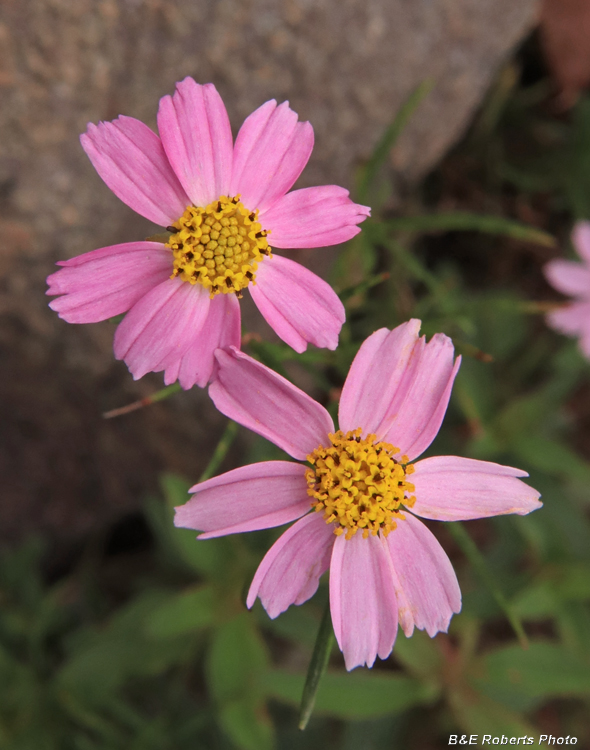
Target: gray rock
(345, 65)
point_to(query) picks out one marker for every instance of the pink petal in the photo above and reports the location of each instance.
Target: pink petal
(131, 160)
(362, 599)
(426, 585)
(252, 497)
(570, 319)
(271, 151)
(297, 304)
(449, 488)
(314, 217)
(196, 134)
(573, 320)
(412, 424)
(157, 330)
(568, 277)
(222, 328)
(107, 282)
(581, 239)
(291, 570)
(372, 387)
(264, 402)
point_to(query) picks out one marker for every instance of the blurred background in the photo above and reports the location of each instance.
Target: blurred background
(465, 124)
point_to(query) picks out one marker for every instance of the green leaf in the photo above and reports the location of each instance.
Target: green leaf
(544, 670)
(357, 695)
(552, 457)
(184, 613)
(454, 221)
(247, 724)
(237, 659)
(558, 583)
(101, 662)
(236, 664)
(478, 714)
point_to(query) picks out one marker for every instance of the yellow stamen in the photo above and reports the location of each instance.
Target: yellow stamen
(218, 246)
(358, 484)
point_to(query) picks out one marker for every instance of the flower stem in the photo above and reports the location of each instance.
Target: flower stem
(220, 451)
(477, 560)
(157, 396)
(317, 667)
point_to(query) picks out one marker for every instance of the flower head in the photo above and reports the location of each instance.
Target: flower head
(573, 278)
(356, 509)
(226, 207)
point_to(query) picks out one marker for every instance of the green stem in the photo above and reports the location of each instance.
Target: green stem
(220, 451)
(157, 396)
(317, 667)
(477, 560)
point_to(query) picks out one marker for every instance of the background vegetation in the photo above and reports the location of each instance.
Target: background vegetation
(143, 641)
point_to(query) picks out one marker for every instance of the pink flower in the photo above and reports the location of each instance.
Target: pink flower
(223, 204)
(573, 278)
(385, 565)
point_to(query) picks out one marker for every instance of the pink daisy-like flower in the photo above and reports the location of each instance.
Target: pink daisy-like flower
(222, 204)
(385, 565)
(573, 279)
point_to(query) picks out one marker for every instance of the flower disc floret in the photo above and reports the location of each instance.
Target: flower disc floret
(218, 246)
(358, 484)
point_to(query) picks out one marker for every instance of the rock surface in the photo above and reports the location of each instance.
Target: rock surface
(345, 65)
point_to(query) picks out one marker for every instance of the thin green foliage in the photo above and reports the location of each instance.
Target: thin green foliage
(155, 649)
(317, 666)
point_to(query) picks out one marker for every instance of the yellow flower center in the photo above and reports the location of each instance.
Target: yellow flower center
(358, 484)
(218, 246)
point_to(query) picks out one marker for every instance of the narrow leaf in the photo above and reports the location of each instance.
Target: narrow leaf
(390, 136)
(317, 667)
(454, 221)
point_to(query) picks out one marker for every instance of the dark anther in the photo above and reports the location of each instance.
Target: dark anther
(172, 229)
(249, 275)
(218, 206)
(239, 295)
(228, 281)
(189, 256)
(252, 216)
(357, 438)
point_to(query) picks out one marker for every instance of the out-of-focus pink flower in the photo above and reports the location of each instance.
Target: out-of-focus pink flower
(573, 279)
(385, 565)
(224, 206)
